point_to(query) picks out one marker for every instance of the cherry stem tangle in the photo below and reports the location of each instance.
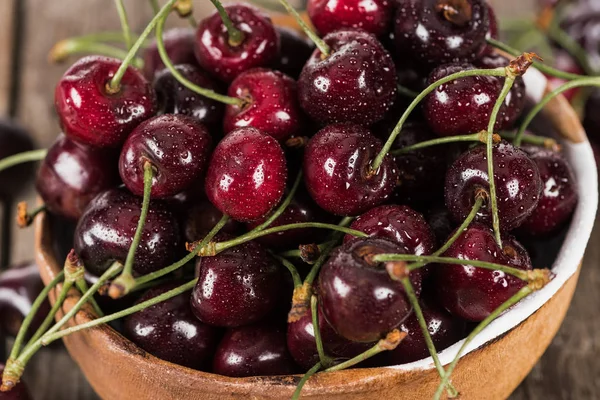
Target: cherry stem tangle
(320, 43)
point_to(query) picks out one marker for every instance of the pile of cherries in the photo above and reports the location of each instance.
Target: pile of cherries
(298, 131)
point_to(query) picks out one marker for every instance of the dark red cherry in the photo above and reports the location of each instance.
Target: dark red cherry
(246, 174)
(202, 217)
(373, 16)
(14, 139)
(355, 83)
(254, 350)
(559, 193)
(473, 293)
(493, 31)
(178, 148)
(270, 104)
(581, 21)
(18, 392)
(107, 226)
(91, 115)
(260, 47)
(179, 44)
(359, 298)
(337, 170)
(170, 331)
(174, 98)
(441, 223)
(295, 51)
(72, 174)
(517, 179)
(434, 32)
(565, 62)
(237, 287)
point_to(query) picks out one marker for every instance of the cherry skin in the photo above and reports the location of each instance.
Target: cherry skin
(14, 139)
(441, 223)
(176, 145)
(237, 287)
(517, 178)
(270, 104)
(559, 194)
(202, 217)
(174, 98)
(246, 174)
(429, 33)
(493, 30)
(179, 44)
(260, 47)
(170, 331)
(89, 114)
(72, 174)
(330, 15)
(254, 350)
(295, 51)
(358, 297)
(355, 83)
(18, 392)
(337, 170)
(565, 62)
(474, 293)
(105, 230)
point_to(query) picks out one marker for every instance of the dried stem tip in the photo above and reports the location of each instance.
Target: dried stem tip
(521, 64)
(309, 253)
(205, 251)
(397, 270)
(296, 142)
(184, 8)
(484, 134)
(300, 302)
(392, 340)
(23, 219)
(458, 12)
(539, 278)
(74, 268)
(12, 375)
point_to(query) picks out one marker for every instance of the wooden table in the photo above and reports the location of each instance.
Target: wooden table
(570, 369)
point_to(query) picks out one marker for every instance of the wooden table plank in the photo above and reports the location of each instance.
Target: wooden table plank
(6, 46)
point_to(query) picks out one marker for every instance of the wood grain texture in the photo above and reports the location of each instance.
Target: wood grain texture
(6, 41)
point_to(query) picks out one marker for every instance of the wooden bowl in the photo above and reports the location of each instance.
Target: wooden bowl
(494, 364)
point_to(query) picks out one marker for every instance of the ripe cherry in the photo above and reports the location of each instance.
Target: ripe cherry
(179, 44)
(441, 223)
(178, 148)
(18, 392)
(219, 57)
(337, 170)
(202, 217)
(72, 174)
(330, 15)
(295, 51)
(517, 179)
(473, 293)
(246, 174)
(91, 115)
(355, 83)
(14, 139)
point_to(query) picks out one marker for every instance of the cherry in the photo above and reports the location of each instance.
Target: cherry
(169, 330)
(517, 179)
(108, 224)
(441, 223)
(202, 217)
(565, 62)
(270, 104)
(374, 16)
(91, 115)
(295, 51)
(174, 98)
(359, 298)
(246, 175)
(18, 392)
(179, 44)
(259, 48)
(559, 195)
(355, 83)
(254, 350)
(493, 31)
(14, 139)
(178, 148)
(434, 32)
(236, 287)
(337, 170)
(581, 21)
(474, 293)
(72, 174)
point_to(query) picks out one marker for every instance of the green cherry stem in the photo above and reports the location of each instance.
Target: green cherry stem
(27, 156)
(83, 288)
(298, 253)
(124, 23)
(284, 204)
(479, 198)
(320, 43)
(305, 378)
(562, 38)
(290, 267)
(236, 37)
(543, 141)
(406, 92)
(155, 6)
(325, 360)
(75, 46)
(475, 137)
(462, 74)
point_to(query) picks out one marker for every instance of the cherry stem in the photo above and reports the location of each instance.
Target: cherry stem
(21, 158)
(475, 137)
(325, 360)
(24, 217)
(290, 267)
(474, 210)
(562, 38)
(175, 266)
(123, 284)
(234, 101)
(124, 23)
(236, 37)
(298, 253)
(72, 46)
(462, 74)
(544, 141)
(305, 378)
(586, 81)
(403, 90)
(83, 287)
(320, 43)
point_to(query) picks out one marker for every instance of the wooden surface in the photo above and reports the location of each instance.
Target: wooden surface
(570, 369)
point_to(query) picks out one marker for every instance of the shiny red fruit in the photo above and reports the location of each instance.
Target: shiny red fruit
(179, 44)
(373, 16)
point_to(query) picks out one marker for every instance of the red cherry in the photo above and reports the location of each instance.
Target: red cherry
(202, 217)
(179, 44)
(373, 16)
(295, 51)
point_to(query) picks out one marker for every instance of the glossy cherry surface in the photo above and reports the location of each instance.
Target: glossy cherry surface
(260, 47)
(246, 174)
(19, 392)
(179, 44)
(295, 51)
(373, 16)
(434, 32)
(517, 178)
(174, 98)
(202, 217)
(270, 104)
(237, 287)
(355, 83)
(473, 293)
(14, 139)
(254, 350)
(176, 145)
(559, 193)
(107, 226)
(358, 297)
(337, 170)
(89, 114)
(169, 330)
(72, 174)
